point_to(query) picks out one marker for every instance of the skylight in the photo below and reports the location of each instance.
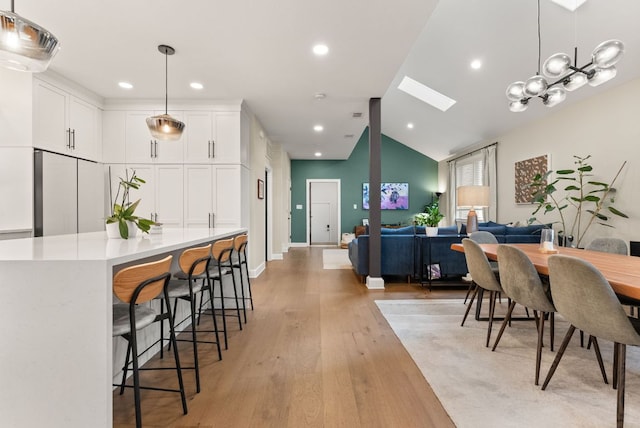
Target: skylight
(425, 94)
(572, 5)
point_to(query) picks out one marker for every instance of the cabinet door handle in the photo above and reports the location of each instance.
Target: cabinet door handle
(208, 148)
(73, 134)
(68, 131)
(209, 220)
(151, 150)
(155, 144)
(213, 149)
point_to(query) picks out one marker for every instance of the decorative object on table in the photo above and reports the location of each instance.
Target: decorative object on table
(365, 222)
(430, 218)
(567, 77)
(122, 220)
(434, 271)
(525, 171)
(547, 242)
(393, 196)
(472, 197)
(164, 126)
(260, 189)
(592, 200)
(24, 45)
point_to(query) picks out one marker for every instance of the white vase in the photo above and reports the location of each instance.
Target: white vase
(113, 231)
(431, 231)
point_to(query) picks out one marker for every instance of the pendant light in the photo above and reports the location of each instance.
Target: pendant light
(163, 126)
(24, 45)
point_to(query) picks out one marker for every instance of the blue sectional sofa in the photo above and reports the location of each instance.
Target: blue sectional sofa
(406, 250)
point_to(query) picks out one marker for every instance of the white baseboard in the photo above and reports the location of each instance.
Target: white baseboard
(254, 273)
(285, 248)
(277, 256)
(298, 244)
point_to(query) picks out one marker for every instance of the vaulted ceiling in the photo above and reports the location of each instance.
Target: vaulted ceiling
(261, 52)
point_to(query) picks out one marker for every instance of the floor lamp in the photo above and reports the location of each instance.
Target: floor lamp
(472, 197)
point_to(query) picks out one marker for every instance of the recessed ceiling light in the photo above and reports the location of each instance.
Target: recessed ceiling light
(426, 94)
(476, 64)
(317, 154)
(572, 5)
(125, 85)
(318, 128)
(321, 49)
(410, 125)
(196, 85)
(320, 95)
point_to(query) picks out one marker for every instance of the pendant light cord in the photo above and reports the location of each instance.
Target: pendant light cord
(12, 8)
(166, 82)
(539, 39)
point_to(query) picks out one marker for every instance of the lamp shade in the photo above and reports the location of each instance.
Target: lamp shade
(164, 127)
(473, 196)
(24, 45)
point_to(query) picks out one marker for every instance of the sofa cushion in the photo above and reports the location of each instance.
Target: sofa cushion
(524, 230)
(448, 230)
(463, 228)
(496, 230)
(407, 230)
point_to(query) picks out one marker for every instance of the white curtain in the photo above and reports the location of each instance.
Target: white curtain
(490, 179)
(451, 193)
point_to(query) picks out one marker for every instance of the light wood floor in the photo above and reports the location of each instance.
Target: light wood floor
(316, 352)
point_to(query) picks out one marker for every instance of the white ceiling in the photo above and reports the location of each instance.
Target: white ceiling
(260, 51)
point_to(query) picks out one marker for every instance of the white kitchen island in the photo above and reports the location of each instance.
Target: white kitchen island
(56, 356)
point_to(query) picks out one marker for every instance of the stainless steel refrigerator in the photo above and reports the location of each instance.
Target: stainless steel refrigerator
(68, 195)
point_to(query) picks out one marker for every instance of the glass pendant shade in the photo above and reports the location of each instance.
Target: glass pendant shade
(164, 127)
(24, 45)
(518, 106)
(515, 91)
(555, 96)
(608, 53)
(576, 81)
(603, 75)
(556, 65)
(535, 86)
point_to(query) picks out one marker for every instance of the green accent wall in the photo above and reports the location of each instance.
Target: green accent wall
(400, 164)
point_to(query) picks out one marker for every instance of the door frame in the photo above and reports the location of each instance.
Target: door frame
(338, 206)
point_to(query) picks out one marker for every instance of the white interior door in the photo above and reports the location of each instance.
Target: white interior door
(324, 212)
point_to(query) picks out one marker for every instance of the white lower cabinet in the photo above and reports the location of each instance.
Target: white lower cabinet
(162, 195)
(212, 196)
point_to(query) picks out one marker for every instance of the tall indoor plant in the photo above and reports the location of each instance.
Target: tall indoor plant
(122, 211)
(591, 200)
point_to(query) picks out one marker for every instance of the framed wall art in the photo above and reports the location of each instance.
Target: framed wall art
(525, 170)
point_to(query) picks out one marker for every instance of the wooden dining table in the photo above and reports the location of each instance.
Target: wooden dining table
(622, 272)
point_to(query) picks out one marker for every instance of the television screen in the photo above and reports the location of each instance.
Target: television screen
(393, 196)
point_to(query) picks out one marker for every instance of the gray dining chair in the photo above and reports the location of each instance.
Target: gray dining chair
(484, 277)
(608, 245)
(584, 298)
(481, 237)
(521, 282)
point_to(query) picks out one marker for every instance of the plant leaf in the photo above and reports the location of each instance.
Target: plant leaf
(618, 213)
(565, 171)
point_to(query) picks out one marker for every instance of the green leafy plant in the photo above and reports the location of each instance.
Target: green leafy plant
(430, 216)
(591, 200)
(122, 211)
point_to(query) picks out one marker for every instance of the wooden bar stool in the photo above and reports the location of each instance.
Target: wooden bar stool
(134, 286)
(193, 278)
(221, 253)
(240, 246)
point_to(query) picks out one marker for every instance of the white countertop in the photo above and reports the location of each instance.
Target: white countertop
(96, 245)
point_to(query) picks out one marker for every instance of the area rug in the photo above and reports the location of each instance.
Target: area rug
(335, 259)
(480, 388)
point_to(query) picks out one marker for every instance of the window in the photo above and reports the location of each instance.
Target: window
(470, 172)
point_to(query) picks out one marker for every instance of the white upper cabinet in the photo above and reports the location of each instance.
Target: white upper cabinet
(212, 137)
(64, 123)
(141, 147)
(161, 195)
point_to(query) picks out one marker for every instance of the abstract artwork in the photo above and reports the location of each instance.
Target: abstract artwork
(393, 196)
(525, 170)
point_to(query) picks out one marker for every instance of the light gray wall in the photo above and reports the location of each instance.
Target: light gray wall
(605, 126)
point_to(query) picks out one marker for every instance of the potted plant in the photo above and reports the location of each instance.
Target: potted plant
(122, 219)
(430, 218)
(592, 200)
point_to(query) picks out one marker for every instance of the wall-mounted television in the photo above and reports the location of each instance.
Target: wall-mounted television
(393, 196)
